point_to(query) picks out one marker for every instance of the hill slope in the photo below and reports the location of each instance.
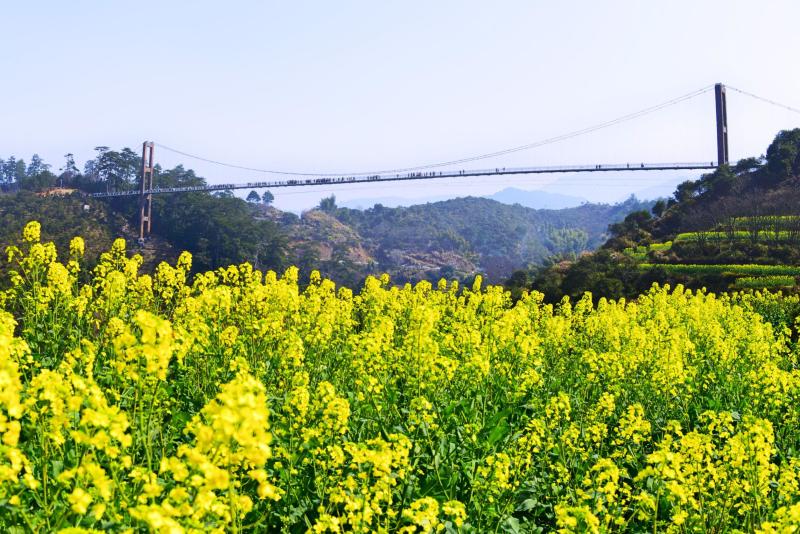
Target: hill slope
(454, 238)
(737, 227)
(64, 217)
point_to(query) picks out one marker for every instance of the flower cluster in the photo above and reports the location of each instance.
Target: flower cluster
(238, 400)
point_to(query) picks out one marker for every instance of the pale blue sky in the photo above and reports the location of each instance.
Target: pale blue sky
(359, 85)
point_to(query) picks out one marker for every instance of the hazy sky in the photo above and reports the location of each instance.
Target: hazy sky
(348, 86)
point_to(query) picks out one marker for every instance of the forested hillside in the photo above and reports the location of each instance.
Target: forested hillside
(735, 228)
(455, 239)
(217, 229)
(62, 219)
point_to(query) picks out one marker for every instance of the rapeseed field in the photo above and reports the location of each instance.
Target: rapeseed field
(235, 401)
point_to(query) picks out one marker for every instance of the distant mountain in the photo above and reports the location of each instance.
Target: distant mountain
(537, 199)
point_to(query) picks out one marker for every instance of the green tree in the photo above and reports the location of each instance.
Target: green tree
(37, 176)
(686, 190)
(253, 196)
(218, 230)
(747, 165)
(604, 274)
(13, 171)
(783, 157)
(93, 168)
(69, 171)
(659, 207)
(328, 204)
(517, 283)
(267, 198)
(114, 170)
(568, 241)
(720, 182)
(633, 223)
(19, 171)
(178, 177)
(36, 166)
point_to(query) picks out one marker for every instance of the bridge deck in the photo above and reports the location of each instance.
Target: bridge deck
(431, 175)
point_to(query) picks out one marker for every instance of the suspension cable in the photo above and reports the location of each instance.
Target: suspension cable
(767, 100)
(529, 146)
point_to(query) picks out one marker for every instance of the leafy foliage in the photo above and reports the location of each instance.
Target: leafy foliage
(235, 401)
(63, 217)
(492, 238)
(458, 238)
(729, 223)
(218, 230)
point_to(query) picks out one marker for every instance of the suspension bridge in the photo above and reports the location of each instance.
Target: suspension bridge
(429, 171)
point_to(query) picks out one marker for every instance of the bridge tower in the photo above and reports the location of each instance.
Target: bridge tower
(722, 124)
(145, 197)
